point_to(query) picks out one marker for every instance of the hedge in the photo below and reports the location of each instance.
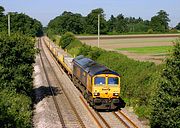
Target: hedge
(17, 54)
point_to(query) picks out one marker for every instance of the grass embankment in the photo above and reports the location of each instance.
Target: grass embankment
(139, 79)
(148, 50)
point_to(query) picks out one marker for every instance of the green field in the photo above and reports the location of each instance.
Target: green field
(148, 50)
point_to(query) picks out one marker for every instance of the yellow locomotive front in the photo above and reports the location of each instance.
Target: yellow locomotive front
(106, 86)
(106, 91)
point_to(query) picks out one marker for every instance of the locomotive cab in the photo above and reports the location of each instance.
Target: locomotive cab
(106, 91)
(106, 86)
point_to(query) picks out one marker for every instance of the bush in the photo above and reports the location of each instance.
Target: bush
(166, 102)
(150, 31)
(17, 56)
(73, 47)
(95, 53)
(66, 39)
(15, 110)
(84, 50)
(173, 30)
(16, 59)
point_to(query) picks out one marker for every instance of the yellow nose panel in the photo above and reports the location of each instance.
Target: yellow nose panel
(107, 92)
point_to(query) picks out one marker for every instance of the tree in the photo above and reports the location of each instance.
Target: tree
(2, 19)
(26, 25)
(156, 24)
(164, 18)
(121, 24)
(66, 39)
(166, 103)
(92, 21)
(159, 23)
(178, 26)
(111, 24)
(1, 11)
(17, 56)
(67, 22)
(20, 23)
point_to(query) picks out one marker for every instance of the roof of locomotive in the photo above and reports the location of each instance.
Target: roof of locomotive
(92, 67)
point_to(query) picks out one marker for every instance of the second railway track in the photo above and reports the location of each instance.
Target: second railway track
(66, 111)
(50, 88)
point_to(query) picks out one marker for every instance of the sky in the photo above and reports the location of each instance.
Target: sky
(46, 10)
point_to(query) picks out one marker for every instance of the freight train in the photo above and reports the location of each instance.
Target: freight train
(99, 85)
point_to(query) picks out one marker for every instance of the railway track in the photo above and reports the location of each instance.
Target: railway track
(70, 117)
(122, 119)
(126, 121)
(101, 119)
(50, 88)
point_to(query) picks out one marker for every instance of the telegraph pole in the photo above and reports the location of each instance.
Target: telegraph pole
(98, 28)
(9, 27)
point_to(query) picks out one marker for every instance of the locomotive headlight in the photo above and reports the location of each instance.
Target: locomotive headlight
(96, 94)
(115, 94)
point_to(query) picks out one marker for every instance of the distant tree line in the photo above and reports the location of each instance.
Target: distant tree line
(20, 23)
(78, 24)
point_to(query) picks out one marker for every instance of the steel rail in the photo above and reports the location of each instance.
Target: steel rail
(129, 120)
(121, 120)
(104, 121)
(71, 104)
(96, 120)
(51, 90)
